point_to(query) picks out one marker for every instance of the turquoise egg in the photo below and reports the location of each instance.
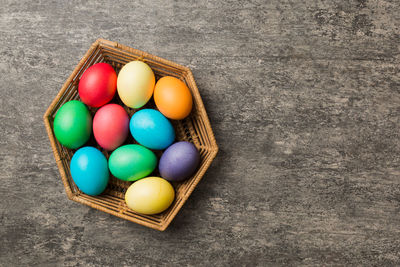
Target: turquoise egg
(152, 129)
(89, 170)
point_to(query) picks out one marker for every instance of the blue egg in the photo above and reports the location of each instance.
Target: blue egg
(152, 129)
(89, 170)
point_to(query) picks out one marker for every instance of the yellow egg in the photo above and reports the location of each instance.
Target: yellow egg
(135, 84)
(150, 195)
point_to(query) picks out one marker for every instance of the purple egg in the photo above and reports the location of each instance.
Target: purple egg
(179, 161)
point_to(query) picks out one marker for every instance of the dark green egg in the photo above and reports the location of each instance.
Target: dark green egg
(73, 124)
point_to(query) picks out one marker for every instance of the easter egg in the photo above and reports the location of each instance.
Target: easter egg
(97, 85)
(152, 129)
(179, 161)
(89, 170)
(132, 162)
(110, 126)
(135, 84)
(73, 124)
(150, 195)
(173, 98)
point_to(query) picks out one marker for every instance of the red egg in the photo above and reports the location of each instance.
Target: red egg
(110, 126)
(97, 85)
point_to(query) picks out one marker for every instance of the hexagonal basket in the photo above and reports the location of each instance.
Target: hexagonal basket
(195, 128)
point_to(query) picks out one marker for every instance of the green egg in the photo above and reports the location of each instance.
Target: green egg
(73, 124)
(132, 162)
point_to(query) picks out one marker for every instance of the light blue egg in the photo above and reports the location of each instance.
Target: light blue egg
(89, 170)
(152, 129)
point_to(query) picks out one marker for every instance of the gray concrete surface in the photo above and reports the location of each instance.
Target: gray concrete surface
(304, 101)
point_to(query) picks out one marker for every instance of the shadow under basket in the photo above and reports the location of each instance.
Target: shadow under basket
(195, 128)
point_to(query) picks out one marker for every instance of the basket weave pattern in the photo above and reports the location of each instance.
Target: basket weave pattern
(195, 128)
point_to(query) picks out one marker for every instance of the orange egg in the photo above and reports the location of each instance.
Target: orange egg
(173, 98)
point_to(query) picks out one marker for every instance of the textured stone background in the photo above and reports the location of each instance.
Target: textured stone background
(304, 101)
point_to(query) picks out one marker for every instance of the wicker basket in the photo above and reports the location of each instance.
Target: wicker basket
(195, 128)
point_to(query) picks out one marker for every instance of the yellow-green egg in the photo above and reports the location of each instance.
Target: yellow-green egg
(150, 195)
(135, 84)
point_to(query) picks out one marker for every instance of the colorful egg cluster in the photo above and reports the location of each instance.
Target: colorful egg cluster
(135, 84)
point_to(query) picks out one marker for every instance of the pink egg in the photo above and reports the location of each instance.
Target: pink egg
(110, 126)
